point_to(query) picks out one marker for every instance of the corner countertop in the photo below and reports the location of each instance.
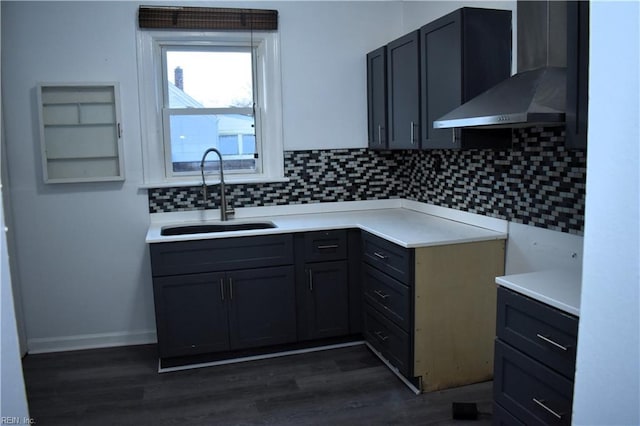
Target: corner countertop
(406, 223)
(560, 288)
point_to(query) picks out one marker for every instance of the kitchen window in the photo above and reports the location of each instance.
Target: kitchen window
(204, 89)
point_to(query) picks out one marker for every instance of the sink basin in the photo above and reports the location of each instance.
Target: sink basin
(214, 227)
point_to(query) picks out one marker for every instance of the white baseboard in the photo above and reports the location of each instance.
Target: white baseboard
(394, 370)
(90, 341)
(259, 357)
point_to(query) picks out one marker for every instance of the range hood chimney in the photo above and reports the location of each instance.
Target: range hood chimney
(536, 95)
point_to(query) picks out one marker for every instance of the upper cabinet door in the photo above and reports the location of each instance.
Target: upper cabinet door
(577, 74)
(403, 84)
(462, 55)
(441, 77)
(377, 98)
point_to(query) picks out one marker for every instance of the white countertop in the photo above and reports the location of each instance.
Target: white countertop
(560, 288)
(407, 227)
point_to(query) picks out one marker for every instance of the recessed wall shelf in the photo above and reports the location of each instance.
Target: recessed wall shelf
(80, 133)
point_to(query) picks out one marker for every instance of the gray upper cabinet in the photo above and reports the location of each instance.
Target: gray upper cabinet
(377, 98)
(430, 72)
(403, 95)
(577, 74)
(462, 55)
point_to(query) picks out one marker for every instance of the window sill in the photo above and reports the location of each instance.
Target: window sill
(212, 180)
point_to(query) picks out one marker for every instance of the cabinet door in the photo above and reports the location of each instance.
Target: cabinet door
(191, 314)
(403, 96)
(377, 98)
(577, 74)
(262, 307)
(463, 54)
(326, 293)
(441, 58)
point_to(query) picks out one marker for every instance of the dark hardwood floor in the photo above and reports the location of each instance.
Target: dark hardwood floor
(121, 386)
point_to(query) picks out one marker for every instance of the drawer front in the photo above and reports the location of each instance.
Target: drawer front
(224, 254)
(530, 391)
(323, 246)
(388, 257)
(540, 331)
(502, 417)
(388, 296)
(387, 338)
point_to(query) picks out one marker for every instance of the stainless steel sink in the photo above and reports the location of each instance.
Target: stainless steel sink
(214, 227)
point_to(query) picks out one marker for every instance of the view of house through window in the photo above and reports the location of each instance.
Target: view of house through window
(208, 102)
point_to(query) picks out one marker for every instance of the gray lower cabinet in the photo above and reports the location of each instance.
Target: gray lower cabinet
(430, 311)
(216, 312)
(323, 285)
(534, 368)
(388, 284)
(223, 294)
(241, 294)
(325, 291)
(262, 307)
(191, 315)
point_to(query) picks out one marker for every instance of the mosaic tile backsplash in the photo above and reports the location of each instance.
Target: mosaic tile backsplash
(537, 182)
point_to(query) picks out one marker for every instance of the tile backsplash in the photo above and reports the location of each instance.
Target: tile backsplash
(537, 182)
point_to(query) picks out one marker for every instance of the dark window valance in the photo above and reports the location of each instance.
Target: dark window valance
(207, 18)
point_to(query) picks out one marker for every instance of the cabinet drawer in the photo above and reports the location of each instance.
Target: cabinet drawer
(540, 331)
(323, 246)
(224, 254)
(387, 338)
(388, 257)
(530, 391)
(502, 417)
(388, 296)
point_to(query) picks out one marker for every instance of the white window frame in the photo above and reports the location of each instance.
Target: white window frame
(268, 104)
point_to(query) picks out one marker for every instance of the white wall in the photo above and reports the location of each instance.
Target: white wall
(13, 399)
(607, 383)
(324, 69)
(530, 248)
(82, 262)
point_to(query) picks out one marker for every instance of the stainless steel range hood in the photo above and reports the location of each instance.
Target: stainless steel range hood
(536, 95)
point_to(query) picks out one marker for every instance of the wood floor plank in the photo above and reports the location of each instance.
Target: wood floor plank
(121, 386)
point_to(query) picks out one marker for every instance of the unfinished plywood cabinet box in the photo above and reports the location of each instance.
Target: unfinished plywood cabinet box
(80, 132)
(455, 313)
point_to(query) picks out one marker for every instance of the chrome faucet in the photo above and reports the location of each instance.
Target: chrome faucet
(226, 212)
